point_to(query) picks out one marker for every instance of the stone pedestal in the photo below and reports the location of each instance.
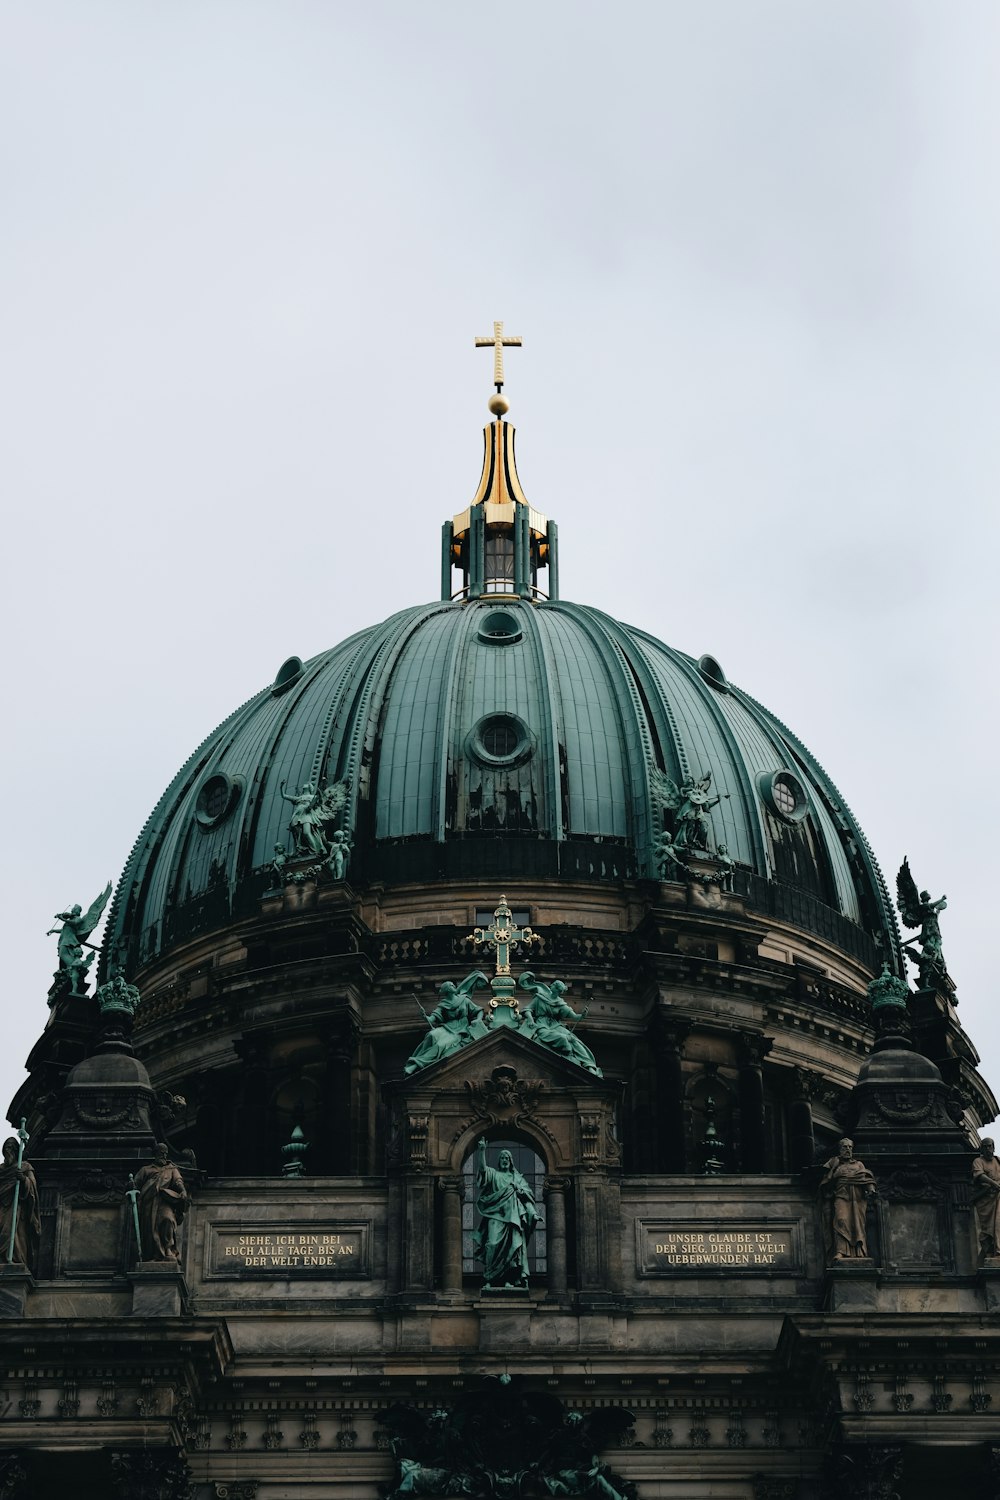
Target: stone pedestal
(988, 1277)
(158, 1289)
(16, 1281)
(851, 1286)
(504, 1319)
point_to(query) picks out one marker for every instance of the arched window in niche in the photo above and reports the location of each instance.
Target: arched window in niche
(532, 1168)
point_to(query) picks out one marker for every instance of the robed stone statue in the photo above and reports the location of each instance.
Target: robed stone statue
(507, 1214)
(845, 1187)
(18, 1194)
(546, 1018)
(163, 1202)
(986, 1197)
(455, 1021)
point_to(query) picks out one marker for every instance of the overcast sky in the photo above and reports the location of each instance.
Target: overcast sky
(752, 250)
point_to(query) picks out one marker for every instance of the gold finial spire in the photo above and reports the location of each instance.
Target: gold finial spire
(498, 344)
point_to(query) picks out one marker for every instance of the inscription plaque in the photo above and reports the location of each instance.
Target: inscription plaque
(748, 1249)
(308, 1250)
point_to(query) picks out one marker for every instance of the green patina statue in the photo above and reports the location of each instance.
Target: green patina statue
(278, 864)
(918, 910)
(504, 1441)
(507, 1218)
(313, 808)
(690, 804)
(545, 1022)
(454, 1022)
(340, 854)
(76, 929)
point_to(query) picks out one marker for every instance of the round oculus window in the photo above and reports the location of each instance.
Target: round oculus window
(500, 628)
(784, 794)
(217, 797)
(712, 672)
(501, 740)
(289, 672)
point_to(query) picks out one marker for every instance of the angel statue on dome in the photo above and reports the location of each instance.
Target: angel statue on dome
(918, 910)
(73, 934)
(312, 809)
(690, 803)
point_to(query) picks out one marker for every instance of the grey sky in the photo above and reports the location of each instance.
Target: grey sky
(752, 251)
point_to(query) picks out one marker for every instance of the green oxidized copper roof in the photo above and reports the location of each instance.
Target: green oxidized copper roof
(499, 739)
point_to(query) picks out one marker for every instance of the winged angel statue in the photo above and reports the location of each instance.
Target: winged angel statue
(918, 910)
(313, 809)
(73, 934)
(690, 804)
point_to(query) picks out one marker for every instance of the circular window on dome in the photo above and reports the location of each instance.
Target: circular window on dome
(290, 671)
(218, 796)
(712, 672)
(500, 628)
(784, 794)
(501, 740)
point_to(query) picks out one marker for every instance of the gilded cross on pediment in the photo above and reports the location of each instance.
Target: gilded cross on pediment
(503, 936)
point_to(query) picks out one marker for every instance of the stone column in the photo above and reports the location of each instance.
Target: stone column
(801, 1141)
(341, 1047)
(555, 1218)
(751, 1052)
(451, 1231)
(667, 1041)
(247, 1130)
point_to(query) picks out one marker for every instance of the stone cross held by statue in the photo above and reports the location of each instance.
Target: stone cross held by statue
(502, 935)
(132, 1192)
(498, 344)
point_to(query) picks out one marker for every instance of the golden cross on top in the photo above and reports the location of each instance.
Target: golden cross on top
(502, 935)
(498, 344)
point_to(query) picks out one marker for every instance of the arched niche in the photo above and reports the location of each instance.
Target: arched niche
(503, 1087)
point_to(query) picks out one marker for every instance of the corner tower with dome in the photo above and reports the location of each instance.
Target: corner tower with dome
(500, 1074)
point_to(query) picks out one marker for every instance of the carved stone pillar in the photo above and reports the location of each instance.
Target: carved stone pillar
(555, 1217)
(341, 1046)
(751, 1052)
(801, 1140)
(667, 1041)
(247, 1144)
(451, 1231)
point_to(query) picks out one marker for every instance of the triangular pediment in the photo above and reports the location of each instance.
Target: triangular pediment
(504, 1046)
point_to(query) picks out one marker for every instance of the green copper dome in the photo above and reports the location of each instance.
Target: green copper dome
(504, 739)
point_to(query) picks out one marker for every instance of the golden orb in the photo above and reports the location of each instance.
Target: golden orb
(498, 404)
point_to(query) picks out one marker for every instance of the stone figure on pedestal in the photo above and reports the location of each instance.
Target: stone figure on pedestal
(986, 1197)
(507, 1214)
(918, 910)
(73, 934)
(548, 1014)
(18, 1196)
(340, 854)
(845, 1188)
(454, 1023)
(163, 1202)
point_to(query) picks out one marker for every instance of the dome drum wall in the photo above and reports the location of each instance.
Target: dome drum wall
(321, 968)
